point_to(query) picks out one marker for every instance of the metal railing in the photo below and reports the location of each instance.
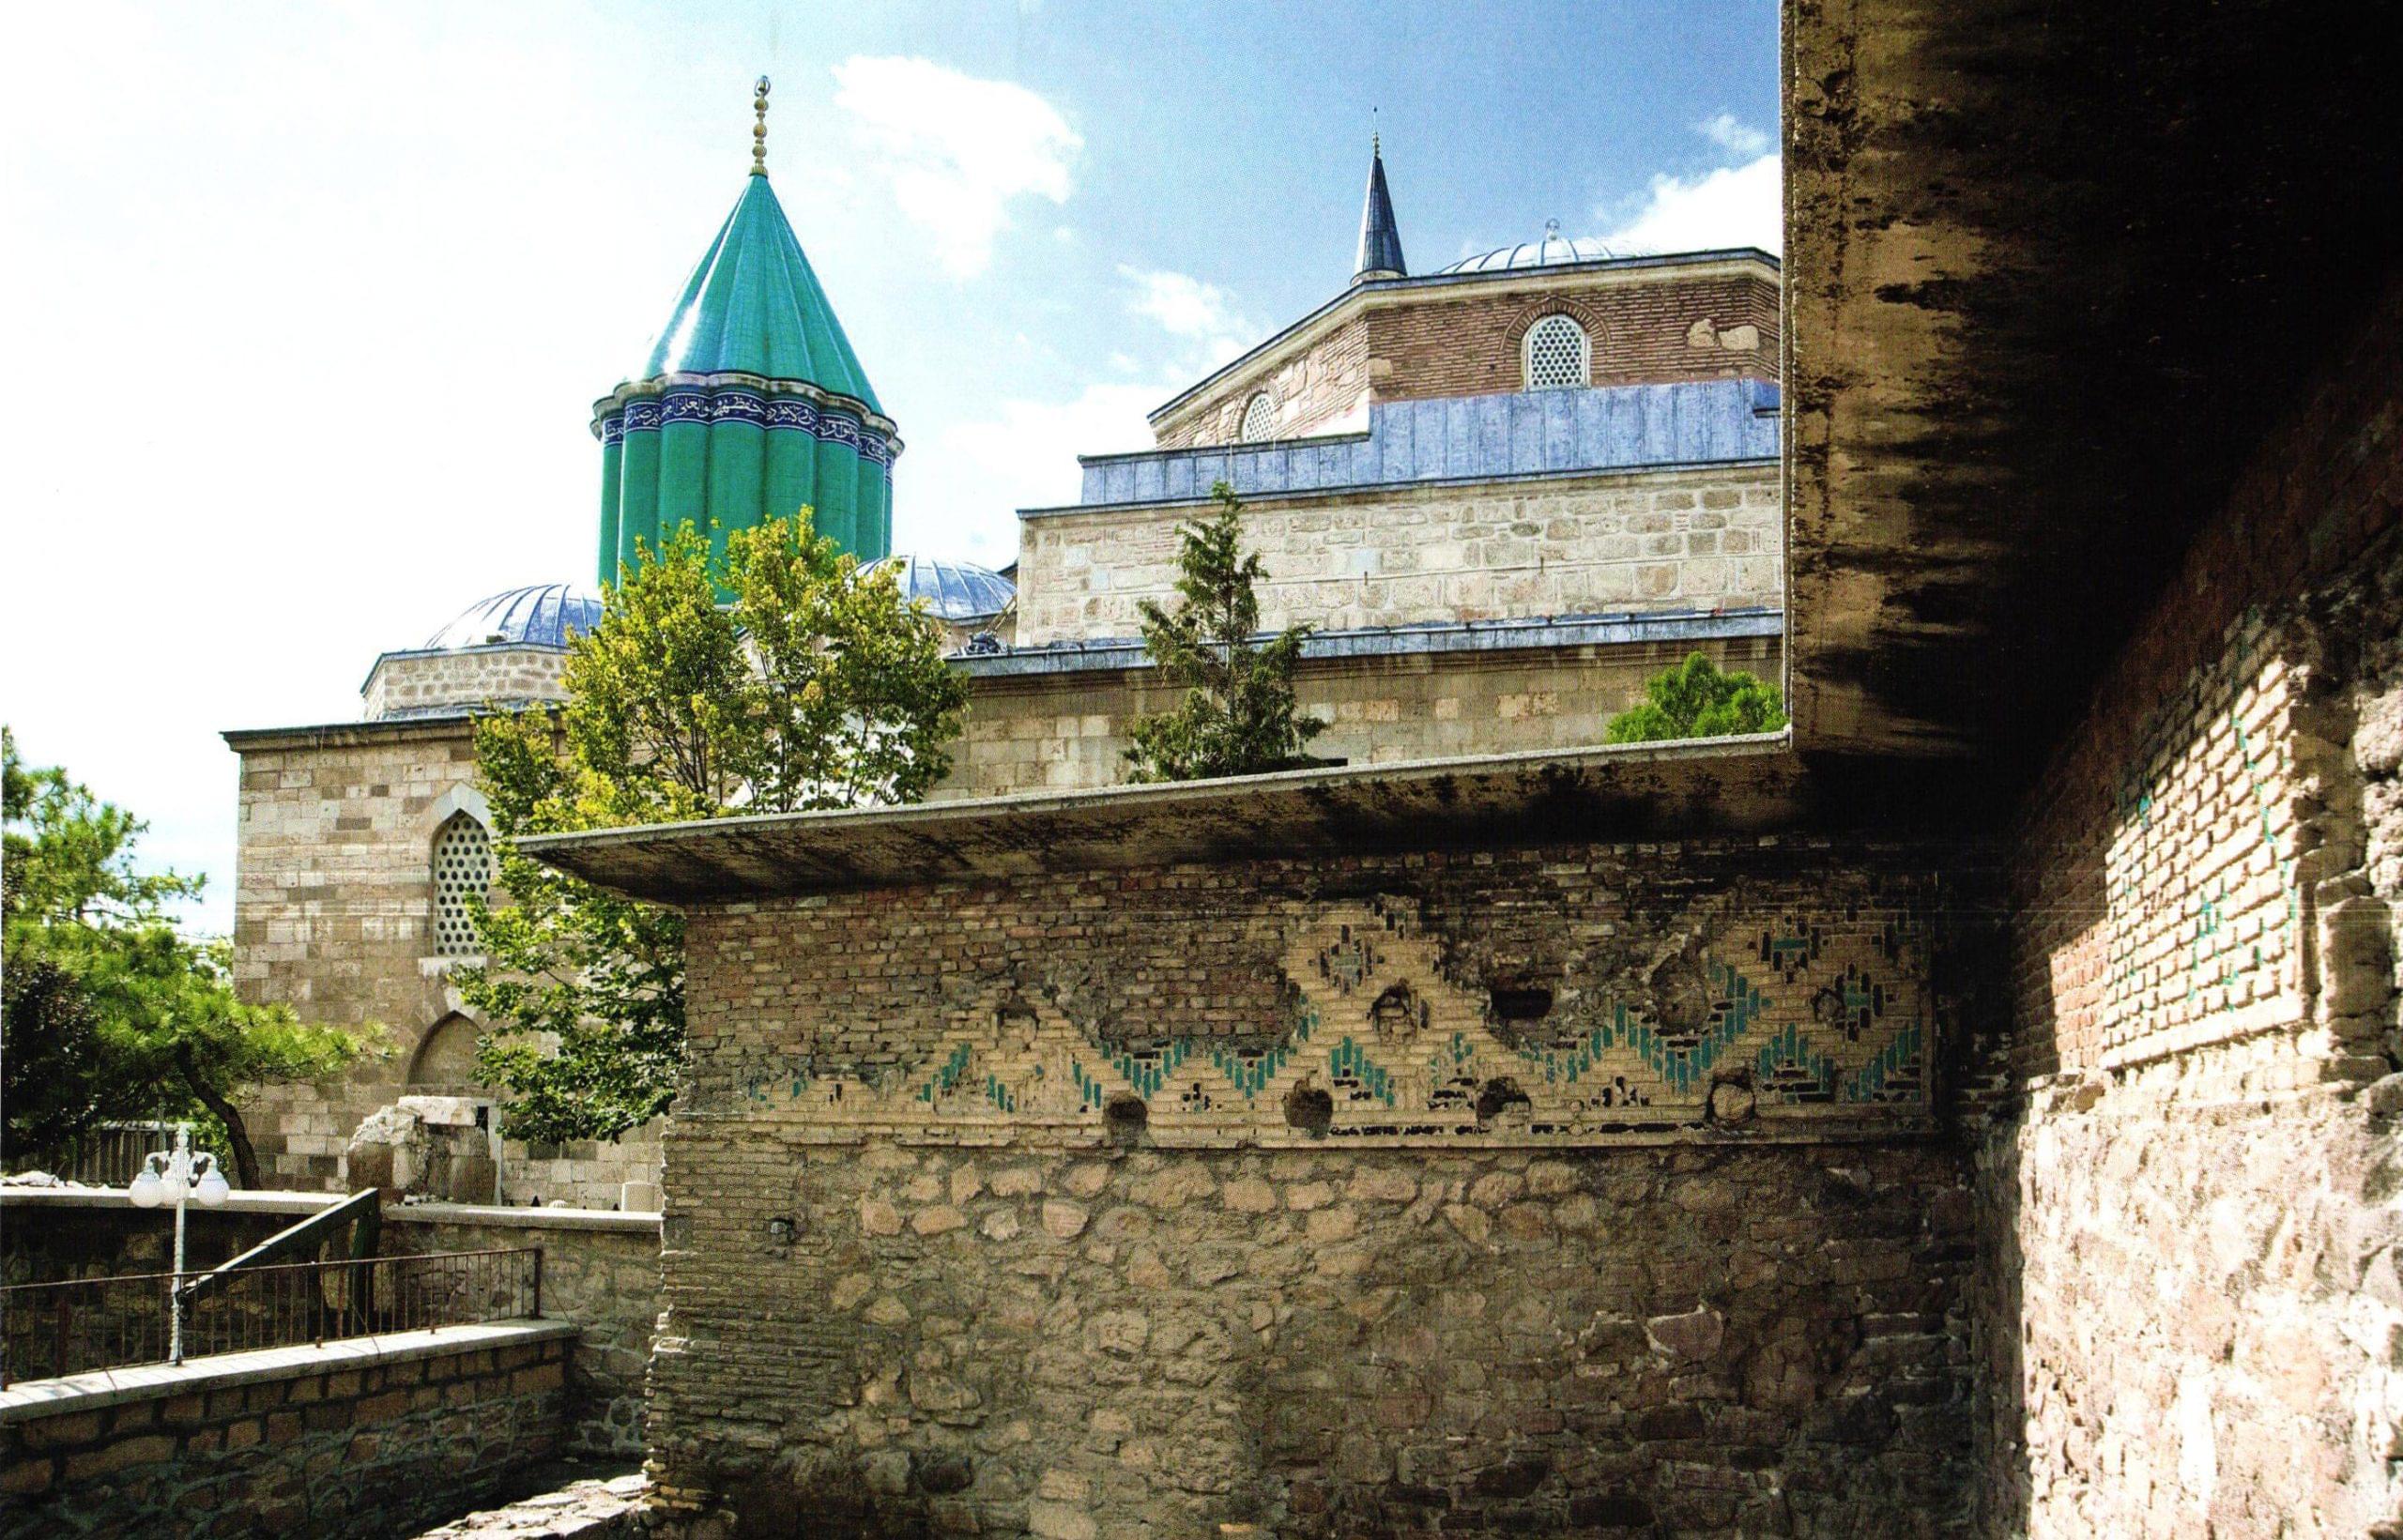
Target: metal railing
(50, 1329)
(110, 1155)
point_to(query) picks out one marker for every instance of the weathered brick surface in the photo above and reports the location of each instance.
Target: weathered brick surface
(916, 1285)
(2187, 1288)
(1625, 542)
(1465, 341)
(1312, 390)
(381, 1451)
(1639, 333)
(1060, 732)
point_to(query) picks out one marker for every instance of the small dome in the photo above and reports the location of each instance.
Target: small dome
(953, 590)
(1554, 251)
(546, 614)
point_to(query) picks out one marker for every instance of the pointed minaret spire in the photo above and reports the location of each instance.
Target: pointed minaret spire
(759, 129)
(1380, 237)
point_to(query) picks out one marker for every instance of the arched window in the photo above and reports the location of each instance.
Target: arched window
(1557, 353)
(1259, 420)
(462, 873)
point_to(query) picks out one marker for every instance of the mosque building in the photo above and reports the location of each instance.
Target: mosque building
(1502, 492)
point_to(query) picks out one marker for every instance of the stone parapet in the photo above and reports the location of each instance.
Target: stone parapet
(354, 1437)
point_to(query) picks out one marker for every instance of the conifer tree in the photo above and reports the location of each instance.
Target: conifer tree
(108, 1011)
(1697, 699)
(1238, 716)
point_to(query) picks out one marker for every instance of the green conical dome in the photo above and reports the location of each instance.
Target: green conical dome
(753, 306)
(752, 404)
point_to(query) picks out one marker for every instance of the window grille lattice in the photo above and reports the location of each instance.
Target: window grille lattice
(461, 872)
(1555, 353)
(1259, 420)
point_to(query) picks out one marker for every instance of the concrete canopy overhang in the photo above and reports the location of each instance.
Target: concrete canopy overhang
(2053, 269)
(1727, 786)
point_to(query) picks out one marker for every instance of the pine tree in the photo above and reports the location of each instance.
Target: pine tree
(1238, 716)
(1696, 699)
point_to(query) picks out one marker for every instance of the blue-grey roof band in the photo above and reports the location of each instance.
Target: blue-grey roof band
(1612, 427)
(1550, 633)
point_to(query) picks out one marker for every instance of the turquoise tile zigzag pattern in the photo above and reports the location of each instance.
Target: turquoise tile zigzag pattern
(1815, 1018)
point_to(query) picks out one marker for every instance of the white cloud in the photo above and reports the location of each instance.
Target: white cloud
(1187, 307)
(1734, 135)
(958, 151)
(1023, 455)
(1733, 206)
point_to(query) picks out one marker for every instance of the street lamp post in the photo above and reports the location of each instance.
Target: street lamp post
(179, 1174)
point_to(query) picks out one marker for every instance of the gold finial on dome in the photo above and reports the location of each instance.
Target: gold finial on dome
(759, 129)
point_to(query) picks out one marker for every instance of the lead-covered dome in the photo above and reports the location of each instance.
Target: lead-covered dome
(545, 615)
(1553, 250)
(956, 591)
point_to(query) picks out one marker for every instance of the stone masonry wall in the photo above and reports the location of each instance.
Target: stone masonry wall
(602, 1279)
(333, 916)
(334, 912)
(462, 679)
(2188, 1284)
(1683, 539)
(1062, 732)
(1573, 1190)
(349, 1451)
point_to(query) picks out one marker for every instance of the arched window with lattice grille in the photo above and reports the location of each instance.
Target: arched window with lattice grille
(1259, 420)
(461, 874)
(1557, 354)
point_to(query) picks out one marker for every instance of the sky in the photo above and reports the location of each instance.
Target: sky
(310, 302)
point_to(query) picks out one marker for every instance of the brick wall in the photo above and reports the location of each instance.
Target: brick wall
(1638, 333)
(1533, 1191)
(1062, 732)
(1463, 339)
(346, 1442)
(2188, 1278)
(1684, 539)
(1319, 386)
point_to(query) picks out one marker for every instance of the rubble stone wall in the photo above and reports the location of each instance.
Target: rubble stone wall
(1548, 1192)
(2189, 1287)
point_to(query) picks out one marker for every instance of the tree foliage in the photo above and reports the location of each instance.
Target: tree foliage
(817, 687)
(1238, 716)
(1697, 699)
(111, 1013)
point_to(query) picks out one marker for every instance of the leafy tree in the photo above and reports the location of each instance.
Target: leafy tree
(1696, 699)
(817, 687)
(112, 1014)
(1238, 716)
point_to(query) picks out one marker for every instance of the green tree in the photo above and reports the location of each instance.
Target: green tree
(110, 1012)
(1238, 716)
(1696, 699)
(818, 686)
